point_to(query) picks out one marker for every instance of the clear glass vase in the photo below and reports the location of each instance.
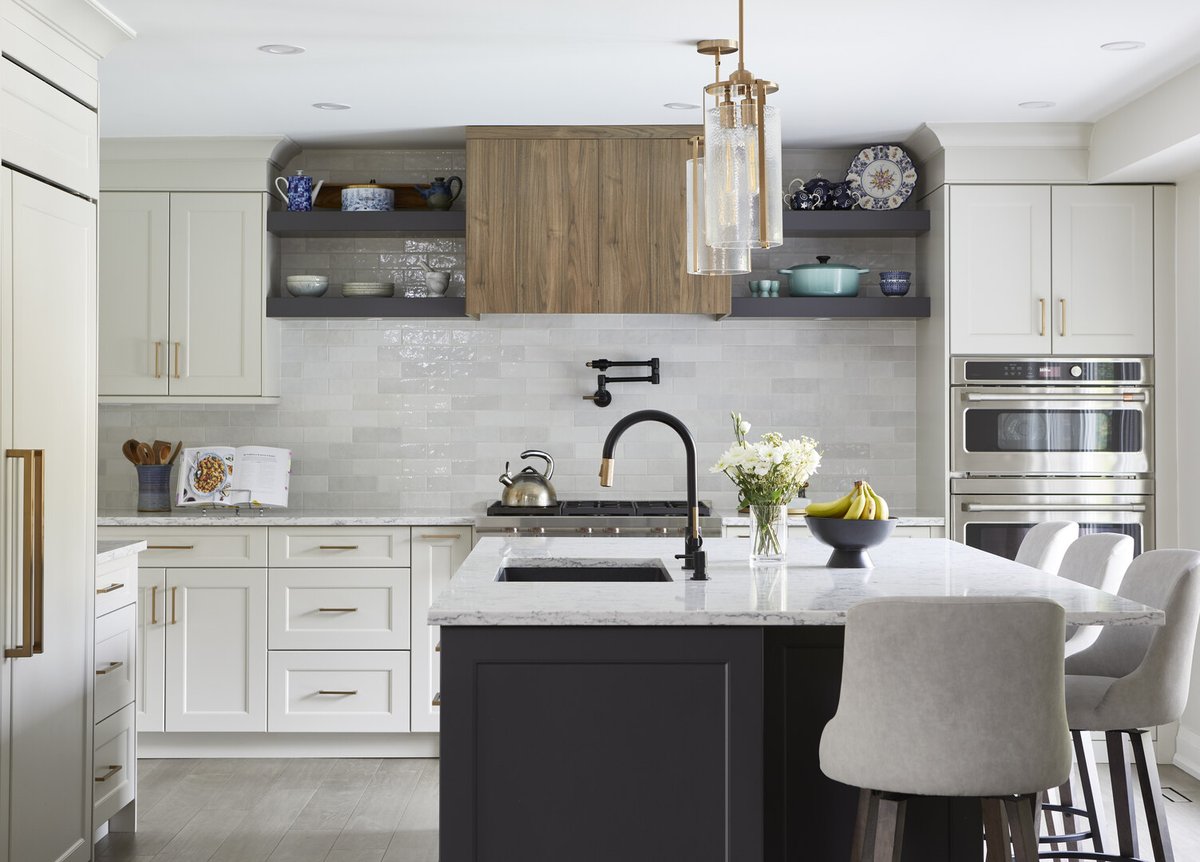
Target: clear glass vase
(768, 533)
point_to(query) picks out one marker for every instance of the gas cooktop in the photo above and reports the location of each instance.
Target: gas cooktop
(601, 508)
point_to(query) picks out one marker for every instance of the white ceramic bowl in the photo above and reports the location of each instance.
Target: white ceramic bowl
(436, 283)
(307, 285)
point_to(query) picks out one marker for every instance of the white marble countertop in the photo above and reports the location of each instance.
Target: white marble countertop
(286, 518)
(798, 521)
(802, 593)
(108, 550)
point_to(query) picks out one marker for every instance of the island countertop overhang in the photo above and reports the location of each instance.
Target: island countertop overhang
(804, 592)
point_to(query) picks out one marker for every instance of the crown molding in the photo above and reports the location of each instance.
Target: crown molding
(85, 23)
(193, 164)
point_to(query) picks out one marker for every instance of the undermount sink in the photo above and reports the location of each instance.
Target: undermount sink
(558, 570)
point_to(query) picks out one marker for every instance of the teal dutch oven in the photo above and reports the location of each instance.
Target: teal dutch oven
(823, 278)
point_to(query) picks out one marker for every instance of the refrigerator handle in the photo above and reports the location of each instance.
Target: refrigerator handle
(32, 569)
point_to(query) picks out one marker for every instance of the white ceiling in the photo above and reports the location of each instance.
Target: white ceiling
(416, 73)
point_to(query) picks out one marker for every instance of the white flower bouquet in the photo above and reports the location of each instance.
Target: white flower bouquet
(769, 474)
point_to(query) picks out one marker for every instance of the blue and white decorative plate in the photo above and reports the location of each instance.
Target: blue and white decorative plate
(882, 177)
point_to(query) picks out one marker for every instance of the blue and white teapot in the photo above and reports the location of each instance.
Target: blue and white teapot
(299, 193)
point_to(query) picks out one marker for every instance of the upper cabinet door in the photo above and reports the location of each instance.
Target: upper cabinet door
(134, 275)
(1000, 270)
(217, 296)
(1103, 269)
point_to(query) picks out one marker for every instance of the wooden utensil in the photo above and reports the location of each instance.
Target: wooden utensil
(162, 451)
(144, 453)
(129, 450)
(175, 454)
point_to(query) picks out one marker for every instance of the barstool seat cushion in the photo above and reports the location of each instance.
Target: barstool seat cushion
(951, 697)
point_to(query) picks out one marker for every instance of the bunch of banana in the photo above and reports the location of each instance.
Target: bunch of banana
(861, 504)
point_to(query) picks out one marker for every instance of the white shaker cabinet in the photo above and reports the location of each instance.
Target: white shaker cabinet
(216, 656)
(1041, 270)
(182, 296)
(1103, 269)
(437, 552)
(1000, 293)
(150, 681)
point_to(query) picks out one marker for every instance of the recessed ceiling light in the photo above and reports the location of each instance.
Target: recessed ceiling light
(281, 49)
(331, 106)
(681, 106)
(1035, 105)
(1124, 45)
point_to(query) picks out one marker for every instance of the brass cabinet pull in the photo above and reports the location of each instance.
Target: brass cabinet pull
(177, 360)
(173, 590)
(337, 610)
(1042, 306)
(112, 665)
(170, 547)
(336, 691)
(157, 360)
(437, 647)
(437, 699)
(1062, 317)
(32, 553)
(154, 604)
(111, 588)
(113, 769)
(338, 547)
(440, 536)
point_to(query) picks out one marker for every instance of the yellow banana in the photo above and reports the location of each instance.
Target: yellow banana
(868, 513)
(834, 509)
(882, 512)
(855, 511)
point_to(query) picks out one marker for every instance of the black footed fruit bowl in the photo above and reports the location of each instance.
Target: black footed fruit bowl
(850, 539)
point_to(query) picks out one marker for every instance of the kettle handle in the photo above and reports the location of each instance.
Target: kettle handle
(282, 189)
(316, 191)
(506, 476)
(538, 453)
(453, 197)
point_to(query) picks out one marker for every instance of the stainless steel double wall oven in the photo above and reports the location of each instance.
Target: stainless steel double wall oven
(1051, 438)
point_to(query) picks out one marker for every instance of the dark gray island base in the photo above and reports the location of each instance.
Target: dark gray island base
(651, 744)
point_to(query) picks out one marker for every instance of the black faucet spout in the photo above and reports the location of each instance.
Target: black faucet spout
(693, 558)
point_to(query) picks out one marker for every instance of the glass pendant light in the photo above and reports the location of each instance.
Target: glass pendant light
(702, 258)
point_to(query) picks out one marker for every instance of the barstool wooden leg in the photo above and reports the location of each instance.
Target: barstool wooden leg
(1085, 759)
(1124, 813)
(1022, 821)
(1066, 797)
(1152, 799)
(865, 825)
(890, 841)
(995, 831)
(1050, 823)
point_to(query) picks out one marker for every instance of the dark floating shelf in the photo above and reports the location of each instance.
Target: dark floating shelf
(365, 306)
(850, 223)
(877, 307)
(396, 222)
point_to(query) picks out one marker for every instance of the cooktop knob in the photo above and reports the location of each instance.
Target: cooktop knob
(1077, 371)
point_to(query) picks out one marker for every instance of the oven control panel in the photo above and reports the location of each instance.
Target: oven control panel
(1051, 370)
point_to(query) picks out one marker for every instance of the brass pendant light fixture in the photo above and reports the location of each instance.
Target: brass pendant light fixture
(737, 188)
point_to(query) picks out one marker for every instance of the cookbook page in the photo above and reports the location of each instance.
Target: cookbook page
(262, 476)
(206, 476)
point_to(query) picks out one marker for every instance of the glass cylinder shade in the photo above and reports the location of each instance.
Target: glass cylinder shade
(772, 157)
(702, 258)
(727, 192)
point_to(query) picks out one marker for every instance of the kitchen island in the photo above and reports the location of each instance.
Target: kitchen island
(679, 719)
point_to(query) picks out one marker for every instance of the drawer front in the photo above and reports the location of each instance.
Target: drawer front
(116, 653)
(46, 132)
(198, 547)
(115, 765)
(338, 609)
(116, 585)
(337, 692)
(340, 547)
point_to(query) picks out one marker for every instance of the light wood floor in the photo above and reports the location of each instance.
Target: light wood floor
(359, 811)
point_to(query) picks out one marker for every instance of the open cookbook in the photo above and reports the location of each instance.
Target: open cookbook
(228, 476)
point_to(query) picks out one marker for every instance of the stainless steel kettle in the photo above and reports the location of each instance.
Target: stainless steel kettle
(529, 487)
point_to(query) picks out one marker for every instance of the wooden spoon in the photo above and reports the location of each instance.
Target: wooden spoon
(144, 453)
(162, 451)
(175, 454)
(130, 450)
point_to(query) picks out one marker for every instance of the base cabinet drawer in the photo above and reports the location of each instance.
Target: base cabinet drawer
(116, 585)
(116, 639)
(338, 609)
(198, 547)
(115, 764)
(338, 692)
(340, 547)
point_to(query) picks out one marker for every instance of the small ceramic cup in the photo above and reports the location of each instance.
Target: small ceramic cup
(436, 283)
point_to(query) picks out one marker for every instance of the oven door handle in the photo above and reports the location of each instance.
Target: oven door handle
(1054, 507)
(1126, 398)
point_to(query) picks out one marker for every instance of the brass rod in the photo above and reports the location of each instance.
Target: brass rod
(170, 547)
(112, 665)
(741, 35)
(173, 619)
(157, 360)
(111, 588)
(337, 691)
(337, 547)
(39, 539)
(113, 769)
(24, 649)
(337, 610)
(762, 165)
(1062, 317)
(440, 536)
(695, 205)
(154, 605)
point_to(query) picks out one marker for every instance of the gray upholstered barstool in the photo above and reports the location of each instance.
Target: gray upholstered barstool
(956, 697)
(1045, 544)
(1098, 560)
(1133, 678)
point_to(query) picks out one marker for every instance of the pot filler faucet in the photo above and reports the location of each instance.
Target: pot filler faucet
(693, 558)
